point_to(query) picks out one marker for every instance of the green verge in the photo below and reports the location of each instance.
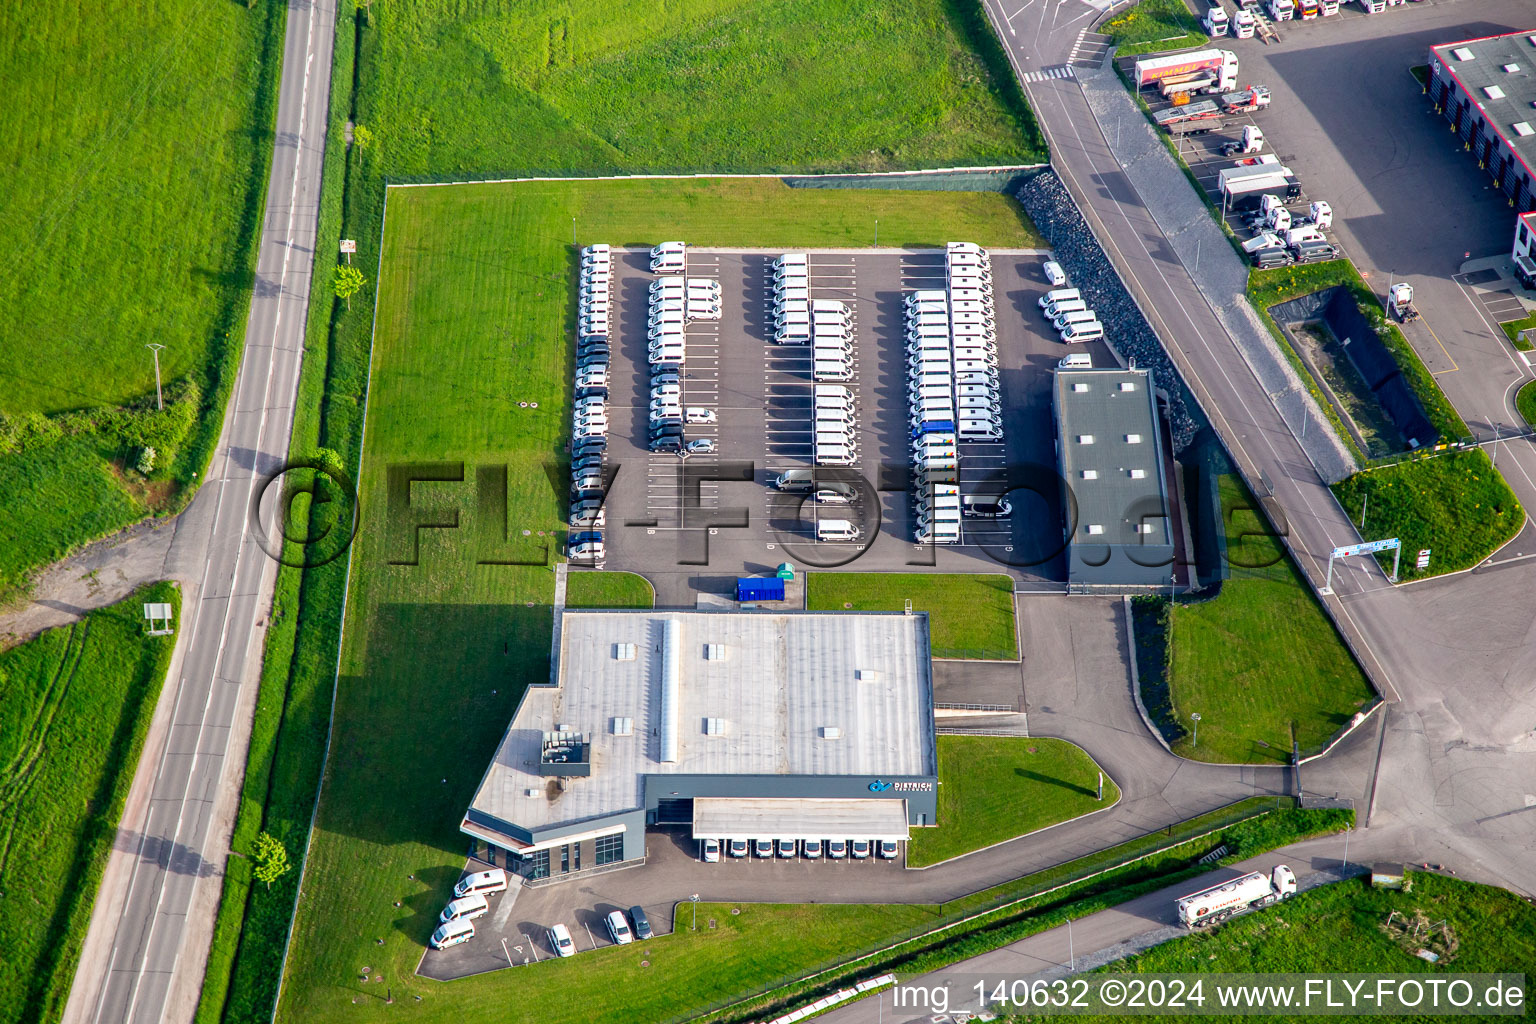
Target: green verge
(1261, 659)
(969, 616)
(1344, 928)
(1268, 287)
(608, 590)
(75, 705)
(1455, 504)
(1512, 329)
(1525, 402)
(1153, 26)
(996, 788)
(126, 222)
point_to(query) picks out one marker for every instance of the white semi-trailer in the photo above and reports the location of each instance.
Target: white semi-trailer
(1249, 892)
(1216, 68)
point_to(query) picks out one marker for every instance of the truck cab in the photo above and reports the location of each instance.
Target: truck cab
(1281, 10)
(1216, 21)
(1310, 9)
(1330, 8)
(1244, 25)
(1373, 6)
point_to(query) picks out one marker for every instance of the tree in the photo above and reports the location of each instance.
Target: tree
(270, 859)
(348, 280)
(362, 136)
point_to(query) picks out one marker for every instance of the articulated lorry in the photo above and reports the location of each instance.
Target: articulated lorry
(1215, 70)
(1249, 892)
(1245, 187)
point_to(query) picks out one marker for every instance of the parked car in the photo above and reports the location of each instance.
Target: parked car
(702, 446)
(642, 923)
(738, 848)
(465, 907)
(560, 941)
(710, 850)
(482, 883)
(697, 414)
(452, 933)
(618, 928)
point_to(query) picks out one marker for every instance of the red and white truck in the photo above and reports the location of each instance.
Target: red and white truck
(1249, 892)
(1205, 70)
(1252, 98)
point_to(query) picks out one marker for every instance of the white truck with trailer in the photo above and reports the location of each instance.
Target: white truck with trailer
(1248, 892)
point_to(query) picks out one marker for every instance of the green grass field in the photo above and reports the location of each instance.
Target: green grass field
(1153, 26)
(1343, 928)
(125, 221)
(608, 590)
(1456, 505)
(969, 616)
(1259, 657)
(437, 653)
(75, 703)
(1512, 329)
(725, 85)
(994, 788)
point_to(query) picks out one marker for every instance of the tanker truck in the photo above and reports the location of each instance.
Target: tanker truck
(1249, 892)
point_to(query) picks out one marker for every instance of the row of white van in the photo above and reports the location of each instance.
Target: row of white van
(593, 312)
(669, 258)
(1068, 312)
(793, 313)
(928, 348)
(834, 424)
(937, 514)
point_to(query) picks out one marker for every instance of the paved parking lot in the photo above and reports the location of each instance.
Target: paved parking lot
(762, 395)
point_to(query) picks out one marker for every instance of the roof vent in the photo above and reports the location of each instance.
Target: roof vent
(1090, 474)
(1144, 528)
(1524, 128)
(623, 652)
(831, 732)
(1138, 474)
(1462, 53)
(1095, 529)
(1127, 385)
(1493, 92)
(714, 727)
(530, 792)
(623, 726)
(1510, 69)
(1085, 439)
(1133, 439)
(866, 675)
(714, 652)
(1080, 387)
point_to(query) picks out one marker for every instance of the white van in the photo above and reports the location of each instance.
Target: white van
(832, 391)
(465, 907)
(831, 306)
(1076, 361)
(926, 318)
(924, 394)
(938, 533)
(837, 530)
(665, 306)
(1081, 316)
(1059, 295)
(976, 391)
(961, 309)
(793, 306)
(835, 455)
(1082, 332)
(830, 420)
(597, 249)
(971, 279)
(662, 319)
(790, 259)
(980, 430)
(936, 331)
(791, 336)
(1055, 309)
(669, 264)
(828, 369)
(452, 933)
(666, 247)
(932, 380)
(836, 321)
(925, 295)
(842, 402)
(972, 296)
(792, 320)
(975, 366)
(976, 355)
(482, 883)
(985, 404)
(973, 317)
(781, 274)
(835, 438)
(832, 335)
(668, 354)
(927, 344)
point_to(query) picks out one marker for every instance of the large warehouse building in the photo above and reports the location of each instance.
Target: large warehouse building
(1119, 525)
(742, 725)
(1486, 88)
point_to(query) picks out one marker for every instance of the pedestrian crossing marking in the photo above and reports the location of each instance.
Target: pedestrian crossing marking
(1060, 71)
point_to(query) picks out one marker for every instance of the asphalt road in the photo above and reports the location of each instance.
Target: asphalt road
(1457, 770)
(144, 956)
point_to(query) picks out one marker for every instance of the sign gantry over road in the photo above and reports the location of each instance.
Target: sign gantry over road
(1369, 547)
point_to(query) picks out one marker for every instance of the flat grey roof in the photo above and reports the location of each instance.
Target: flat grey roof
(769, 818)
(1489, 57)
(1107, 433)
(782, 681)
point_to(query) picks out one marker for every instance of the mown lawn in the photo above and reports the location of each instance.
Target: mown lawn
(437, 653)
(1260, 658)
(1512, 329)
(137, 144)
(75, 703)
(969, 616)
(1456, 505)
(994, 788)
(1153, 26)
(1343, 928)
(585, 589)
(738, 85)
(1525, 402)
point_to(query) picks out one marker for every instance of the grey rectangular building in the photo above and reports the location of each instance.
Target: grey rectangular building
(1486, 88)
(1119, 527)
(744, 725)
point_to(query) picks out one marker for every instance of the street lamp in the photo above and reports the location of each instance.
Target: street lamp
(1196, 719)
(694, 900)
(159, 399)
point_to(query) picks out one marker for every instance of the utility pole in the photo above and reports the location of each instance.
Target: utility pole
(573, 230)
(1196, 719)
(160, 399)
(1071, 951)
(877, 232)
(1365, 503)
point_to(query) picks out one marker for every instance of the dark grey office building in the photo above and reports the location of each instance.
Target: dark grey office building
(742, 725)
(1486, 88)
(1119, 529)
